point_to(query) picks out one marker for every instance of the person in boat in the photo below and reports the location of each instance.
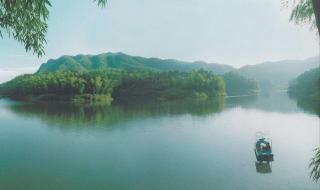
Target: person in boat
(266, 146)
(259, 142)
(262, 144)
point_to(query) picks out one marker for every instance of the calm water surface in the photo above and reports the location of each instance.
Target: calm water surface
(176, 146)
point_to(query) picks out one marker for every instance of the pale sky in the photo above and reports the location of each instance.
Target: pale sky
(230, 32)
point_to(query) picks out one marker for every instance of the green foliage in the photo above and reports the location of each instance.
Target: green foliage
(304, 11)
(164, 86)
(141, 64)
(126, 62)
(315, 166)
(307, 85)
(306, 90)
(237, 84)
(92, 99)
(64, 83)
(123, 85)
(201, 96)
(26, 21)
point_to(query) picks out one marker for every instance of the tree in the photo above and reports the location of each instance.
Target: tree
(26, 22)
(316, 10)
(308, 11)
(305, 11)
(315, 165)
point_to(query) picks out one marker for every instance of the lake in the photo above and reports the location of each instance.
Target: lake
(172, 146)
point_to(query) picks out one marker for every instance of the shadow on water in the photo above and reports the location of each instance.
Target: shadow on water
(82, 116)
(263, 167)
(308, 105)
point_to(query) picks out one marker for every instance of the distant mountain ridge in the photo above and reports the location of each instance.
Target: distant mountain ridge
(278, 74)
(127, 62)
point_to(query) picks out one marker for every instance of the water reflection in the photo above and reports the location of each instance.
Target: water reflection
(267, 101)
(263, 167)
(307, 105)
(177, 145)
(77, 116)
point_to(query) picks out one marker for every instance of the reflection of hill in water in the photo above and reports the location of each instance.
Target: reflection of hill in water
(308, 105)
(269, 102)
(73, 116)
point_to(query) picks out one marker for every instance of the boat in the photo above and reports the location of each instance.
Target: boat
(263, 148)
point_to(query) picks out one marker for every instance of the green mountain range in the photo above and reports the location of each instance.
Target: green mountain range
(127, 62)
(269, 75)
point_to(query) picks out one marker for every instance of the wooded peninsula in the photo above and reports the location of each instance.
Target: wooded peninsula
(121, 78)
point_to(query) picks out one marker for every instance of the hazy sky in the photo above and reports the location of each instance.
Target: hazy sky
(230, 32)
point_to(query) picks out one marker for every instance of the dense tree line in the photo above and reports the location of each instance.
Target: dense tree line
(122, 85)
(306, 90)
(237, 84)
(307, 85)
(169, 86)
(61, 83)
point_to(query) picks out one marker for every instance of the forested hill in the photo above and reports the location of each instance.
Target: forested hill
(277, 75)
(127, 62)
(306, 89)
(269, 75)
(307, 85)
(104, 86)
